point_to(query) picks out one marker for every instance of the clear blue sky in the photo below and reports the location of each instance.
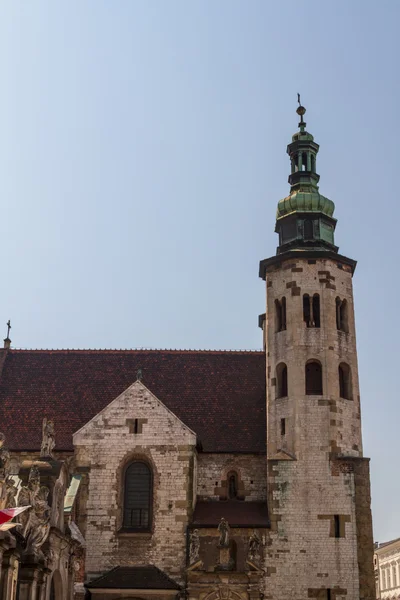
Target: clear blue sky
(142, 154)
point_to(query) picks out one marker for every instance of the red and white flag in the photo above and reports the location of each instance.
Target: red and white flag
(6, 514)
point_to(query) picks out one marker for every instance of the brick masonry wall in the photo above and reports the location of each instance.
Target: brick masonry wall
(103, 447)
(213, 469)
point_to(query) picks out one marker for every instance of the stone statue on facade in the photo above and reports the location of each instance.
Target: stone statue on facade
(48, 438)
(223, 529)
(194, 548)
(253, 554)
(12, 491)
(4, 472)
(35, 522)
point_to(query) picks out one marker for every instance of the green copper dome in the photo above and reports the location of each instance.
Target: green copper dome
(304, 219)
(305, 201)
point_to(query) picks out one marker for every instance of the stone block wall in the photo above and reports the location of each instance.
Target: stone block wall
(104, 446)
(315, 533)
(213, 470)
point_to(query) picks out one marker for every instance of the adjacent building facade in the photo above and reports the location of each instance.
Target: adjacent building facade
(387, 570)
(217, 475)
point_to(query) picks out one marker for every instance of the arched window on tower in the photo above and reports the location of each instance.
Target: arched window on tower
(311, 310)
(281, 380)
(304, 162)
(342, 323)
(280, 314)
(316, 311)
(345, 386)
(306, 310)
(308, 230)
(138, 491)
(314, 378)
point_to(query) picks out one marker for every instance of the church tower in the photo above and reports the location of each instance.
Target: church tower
(321, 543)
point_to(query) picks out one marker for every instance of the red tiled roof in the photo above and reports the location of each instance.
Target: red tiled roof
(218, 394)
(237, 513)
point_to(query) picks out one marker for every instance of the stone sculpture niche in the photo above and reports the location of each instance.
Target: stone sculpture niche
(227, 558)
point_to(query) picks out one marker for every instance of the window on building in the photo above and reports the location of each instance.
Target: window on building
(313, 378)
(328, 594)
(383, 579)
(336, 523)
(315, 306)
(137, 496)
(311, 310)
(394, 576)
(342, 315)
(283, 426)
(281, 380)
(313, 163)
(308, 230)
(345, 390)
(280, 314)
(232, 486)
(306, 310)
(304, 162)
(388, 583)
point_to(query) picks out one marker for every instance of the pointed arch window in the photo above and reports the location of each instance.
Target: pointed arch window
(138, 492)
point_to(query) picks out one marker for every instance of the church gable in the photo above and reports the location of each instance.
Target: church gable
(137, 459)
(137, 417)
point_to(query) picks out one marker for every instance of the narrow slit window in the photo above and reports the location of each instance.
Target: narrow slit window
(328, 594)
(342, 315)
(316, 311)
(336, 520)
(283, 305)
(283, 427)
(280, 314)
(306, 310)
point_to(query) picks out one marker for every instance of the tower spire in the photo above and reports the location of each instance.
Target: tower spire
(301, 111)
(304, 219)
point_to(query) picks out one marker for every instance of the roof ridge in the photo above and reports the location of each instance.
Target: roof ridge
(134, 350)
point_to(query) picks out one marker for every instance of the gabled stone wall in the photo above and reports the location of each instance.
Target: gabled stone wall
(103, 448)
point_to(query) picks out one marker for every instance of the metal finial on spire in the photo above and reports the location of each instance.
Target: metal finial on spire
(8, 328)
(301, 111)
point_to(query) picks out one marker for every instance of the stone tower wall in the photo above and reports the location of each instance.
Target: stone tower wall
(298, 344)
(309, 489)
